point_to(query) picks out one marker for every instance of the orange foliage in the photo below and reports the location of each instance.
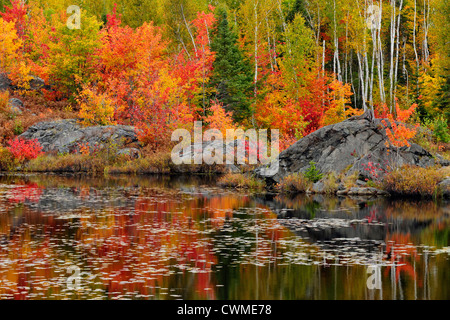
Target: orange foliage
(219, 118)
(339, 103)
(399, 134)
(315, 108)
(147, 86)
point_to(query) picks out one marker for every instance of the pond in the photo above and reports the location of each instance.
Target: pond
(181, 237)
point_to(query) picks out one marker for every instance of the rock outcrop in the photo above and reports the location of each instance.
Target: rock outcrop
(5, 82)
(65, 136)
(444, 187)
(15, 106)
(34, 84)
(349, 146)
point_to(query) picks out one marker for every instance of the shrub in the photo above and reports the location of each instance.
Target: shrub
(412, 181)
(374, 171)
(67, 163)
(294, 183)
(4, 100)
(22, 149)
(95, 108)
(313, 174)
(18, 128)
(331, 183)
(349, 180)
(6, 159)
(440, 131)
(241, 181)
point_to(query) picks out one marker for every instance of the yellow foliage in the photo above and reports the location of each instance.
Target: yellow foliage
(294, 183)
(429, 91)
(413, 181)
(4, 99)
(10, 44)
(339, 109)
(11, 58)
(95, 108)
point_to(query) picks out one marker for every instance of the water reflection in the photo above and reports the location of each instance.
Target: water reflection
(183, 238)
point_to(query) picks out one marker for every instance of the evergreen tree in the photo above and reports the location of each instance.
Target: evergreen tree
(232, 77)
(442, 100)
(298, 7)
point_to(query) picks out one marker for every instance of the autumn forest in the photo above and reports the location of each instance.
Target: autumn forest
(293, 65)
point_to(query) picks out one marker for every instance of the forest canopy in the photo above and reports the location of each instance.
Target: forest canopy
(292, 65)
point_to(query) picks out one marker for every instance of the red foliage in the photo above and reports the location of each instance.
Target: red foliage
(114, 19)
(16, 13)
(23, 149)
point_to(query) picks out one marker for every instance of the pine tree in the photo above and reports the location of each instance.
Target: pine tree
(232, 77)
(442, 100)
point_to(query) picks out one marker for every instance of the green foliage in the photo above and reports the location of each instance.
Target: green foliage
(442, 99)
(439, 128)
(441, 132)
(313, 174)
(298, 7)
(71, 53)
(298, 51)
(232, 76)
(331, 183)
(18, 128)
(6, 159)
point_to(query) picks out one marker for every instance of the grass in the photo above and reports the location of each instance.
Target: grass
(349, 180)
(294, 183)
(6, 159)
(241, 181)
(331, 183)
(413, 181)
(156, 162)
(66, 163)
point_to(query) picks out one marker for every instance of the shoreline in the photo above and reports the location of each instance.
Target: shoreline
(247, 179)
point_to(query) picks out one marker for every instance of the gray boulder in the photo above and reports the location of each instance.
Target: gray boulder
(65, 136)
(349, 146)
(366, 191)
(444, 187)
(133, 153)
(15, 105)
(35, 83)
(318, 187)
(5, 83)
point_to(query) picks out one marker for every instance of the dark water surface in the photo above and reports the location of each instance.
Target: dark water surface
(184, 238)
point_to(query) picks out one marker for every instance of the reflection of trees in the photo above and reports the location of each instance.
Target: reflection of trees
(165, 243)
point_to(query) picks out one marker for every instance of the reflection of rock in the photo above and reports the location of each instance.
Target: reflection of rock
(64, 136)
(348, 146)
(65, 200)
(320, 229)
(320, 208)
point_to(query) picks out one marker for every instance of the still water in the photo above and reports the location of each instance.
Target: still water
(78, 237)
